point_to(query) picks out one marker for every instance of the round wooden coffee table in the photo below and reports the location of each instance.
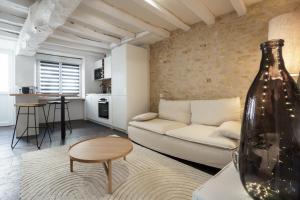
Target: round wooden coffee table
(100, 150)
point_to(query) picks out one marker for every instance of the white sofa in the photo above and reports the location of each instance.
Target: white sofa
(189, 130)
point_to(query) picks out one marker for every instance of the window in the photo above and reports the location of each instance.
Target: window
(4, 75)
(59, 77)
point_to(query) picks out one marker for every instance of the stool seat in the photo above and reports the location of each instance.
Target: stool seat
(30, 104)
(57, 102)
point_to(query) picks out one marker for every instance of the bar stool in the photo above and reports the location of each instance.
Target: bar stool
(28, 106)
(55, 103)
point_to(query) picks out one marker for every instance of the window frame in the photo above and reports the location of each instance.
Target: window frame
(38, 65)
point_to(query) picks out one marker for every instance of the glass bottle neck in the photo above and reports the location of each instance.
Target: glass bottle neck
(272, 58)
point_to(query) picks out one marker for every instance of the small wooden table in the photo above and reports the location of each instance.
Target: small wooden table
(100, 150)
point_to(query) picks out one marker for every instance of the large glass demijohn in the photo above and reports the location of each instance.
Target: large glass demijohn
(269, 153)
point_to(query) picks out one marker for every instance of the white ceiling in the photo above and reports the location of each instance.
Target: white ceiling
(99, 23)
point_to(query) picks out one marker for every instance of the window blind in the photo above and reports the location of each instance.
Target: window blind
(59, 77)
(70, 78)
(49, 77)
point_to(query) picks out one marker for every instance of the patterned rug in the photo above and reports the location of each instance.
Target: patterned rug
(145, 175)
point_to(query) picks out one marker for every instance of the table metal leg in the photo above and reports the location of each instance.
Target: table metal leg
(71, 165)
(62, 118)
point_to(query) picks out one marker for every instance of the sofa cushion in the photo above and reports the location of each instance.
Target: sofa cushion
(215, 112)
(158, 125)
(203, 134)
(175, 110)
(230, 129)
(145, 116)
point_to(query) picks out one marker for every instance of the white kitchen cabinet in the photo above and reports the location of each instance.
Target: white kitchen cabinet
(119, 71)
(88, 106)
(107, 67)
(119, 111)
(130, 84)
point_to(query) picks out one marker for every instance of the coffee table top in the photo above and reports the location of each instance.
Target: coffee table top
(100, 149)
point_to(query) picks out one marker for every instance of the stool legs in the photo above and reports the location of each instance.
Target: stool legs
(12, 141)
(27, 128)
(47, 129)
(69, 125)
(47, 125)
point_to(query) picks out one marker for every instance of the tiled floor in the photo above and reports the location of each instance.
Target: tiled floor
(10, 160)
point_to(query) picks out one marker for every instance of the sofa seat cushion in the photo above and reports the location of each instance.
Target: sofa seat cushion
(157, 125)
(203, 134)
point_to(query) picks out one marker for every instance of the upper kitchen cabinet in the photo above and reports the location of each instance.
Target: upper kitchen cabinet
(103, 68)
(119, 70)
(107, 67)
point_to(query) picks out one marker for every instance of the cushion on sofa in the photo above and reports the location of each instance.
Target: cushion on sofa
(215, 112)
(203, 134)
(175, 110)
(230, 129)
(157, 125)
(145, 117)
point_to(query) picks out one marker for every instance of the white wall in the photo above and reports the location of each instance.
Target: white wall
(91, 86)
(25, 71)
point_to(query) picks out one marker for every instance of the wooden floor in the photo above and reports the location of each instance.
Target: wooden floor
(10, 160)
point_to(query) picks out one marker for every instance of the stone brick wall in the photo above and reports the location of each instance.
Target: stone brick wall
(216, 61)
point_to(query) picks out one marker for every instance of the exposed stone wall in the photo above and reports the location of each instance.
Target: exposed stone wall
(216, 61)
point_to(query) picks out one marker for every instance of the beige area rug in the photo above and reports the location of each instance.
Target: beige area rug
(146, 175)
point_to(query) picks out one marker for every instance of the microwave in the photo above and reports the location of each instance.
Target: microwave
(98, 73)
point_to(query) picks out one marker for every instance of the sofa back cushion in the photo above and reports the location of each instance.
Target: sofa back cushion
(179, 111)
(215, 112)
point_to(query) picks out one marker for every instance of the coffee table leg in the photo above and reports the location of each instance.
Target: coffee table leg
(124, 158)
(71, 165)
(108, 171)
(109, 176)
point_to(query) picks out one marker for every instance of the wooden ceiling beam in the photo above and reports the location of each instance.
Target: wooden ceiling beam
(125, 17)
(239, 6)
(160, 11)
(11, 19)
(97, 22)
(60, 50)
(5, 34)
(200, 10)
(10, 28)
(83, 31)
(72, 45)
(15, 6)
(75, 39)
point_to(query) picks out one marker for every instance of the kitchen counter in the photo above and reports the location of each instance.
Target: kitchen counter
(101, 94)
(43, 95)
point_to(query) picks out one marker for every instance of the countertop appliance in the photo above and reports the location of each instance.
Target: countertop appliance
(98, 73)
